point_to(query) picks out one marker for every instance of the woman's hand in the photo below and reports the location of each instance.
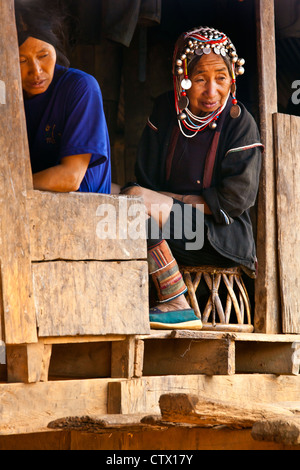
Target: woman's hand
(65, 177)
(190, 199)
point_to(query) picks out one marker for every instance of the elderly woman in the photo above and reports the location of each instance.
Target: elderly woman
(67, 132)
(201, 148)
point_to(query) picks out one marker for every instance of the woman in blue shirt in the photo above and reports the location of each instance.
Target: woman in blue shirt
(66, 126)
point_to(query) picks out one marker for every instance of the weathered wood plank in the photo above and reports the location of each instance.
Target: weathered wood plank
(74, 226)
(91, 298)
(267, 302)
(142, 395)
(287, 150)
(15, 179)
(29, 408)
(184, 408)
(32, 412)
(188, 356)
(104, 424)
(252, 337)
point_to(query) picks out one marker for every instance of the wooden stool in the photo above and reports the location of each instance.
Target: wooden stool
(232, 279)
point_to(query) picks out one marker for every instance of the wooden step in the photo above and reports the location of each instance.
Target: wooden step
(173, 352)
(216, 353)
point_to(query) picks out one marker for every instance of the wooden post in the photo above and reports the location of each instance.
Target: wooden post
(267, 303)
(15, 179)
(287, 149)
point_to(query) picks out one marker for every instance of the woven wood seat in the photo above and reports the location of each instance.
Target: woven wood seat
(231, 314)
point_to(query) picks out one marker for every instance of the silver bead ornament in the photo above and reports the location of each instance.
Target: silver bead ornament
(181, 116)
(179, 71)
(240, 70)
(213, 125)
(179, 62)
(241, 62)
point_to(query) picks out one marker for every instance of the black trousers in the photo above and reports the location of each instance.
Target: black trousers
(189, 223)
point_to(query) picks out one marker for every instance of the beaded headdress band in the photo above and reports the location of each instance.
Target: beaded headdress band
(189, 46)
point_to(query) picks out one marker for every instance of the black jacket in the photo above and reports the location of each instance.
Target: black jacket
(234, 183)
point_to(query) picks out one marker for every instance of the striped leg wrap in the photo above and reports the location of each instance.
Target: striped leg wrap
(165, 273)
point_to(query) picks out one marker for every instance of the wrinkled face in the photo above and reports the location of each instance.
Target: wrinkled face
(37, 61)
(211, 83)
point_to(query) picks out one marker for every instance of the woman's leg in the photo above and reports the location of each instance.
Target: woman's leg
(164, 272)
(162, 265)
(172, 310)
(158, 206)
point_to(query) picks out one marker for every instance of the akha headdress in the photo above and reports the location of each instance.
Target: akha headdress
(192, 45)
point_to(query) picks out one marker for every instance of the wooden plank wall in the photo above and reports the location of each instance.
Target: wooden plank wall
(86, 282)
(287, 152)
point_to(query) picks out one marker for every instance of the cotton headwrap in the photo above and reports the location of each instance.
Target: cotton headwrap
(40, 24)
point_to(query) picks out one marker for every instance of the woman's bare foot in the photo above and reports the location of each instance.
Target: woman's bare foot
(180, 303)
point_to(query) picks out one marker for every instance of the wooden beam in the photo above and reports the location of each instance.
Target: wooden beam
(188, 356)
(190, 409)
(15, 179)
(142, 395)
(29, 408)
(216, 352)
(122, 358)
(267, 302)
(28, 363)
